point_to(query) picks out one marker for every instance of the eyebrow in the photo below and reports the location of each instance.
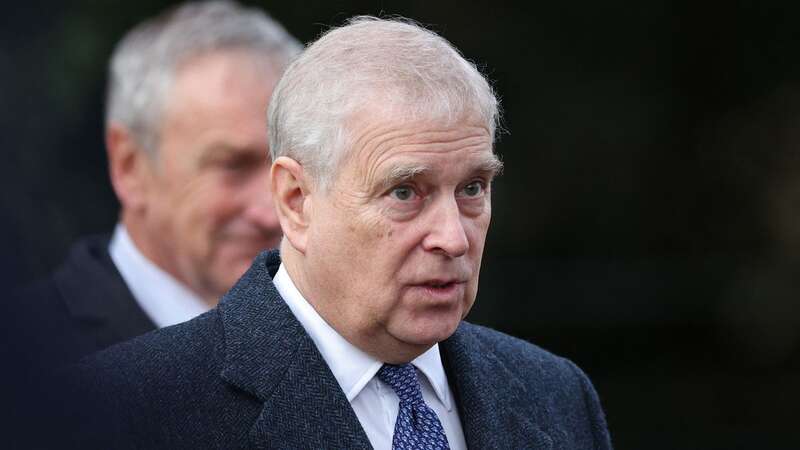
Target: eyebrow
(489, 166)
(401, 174)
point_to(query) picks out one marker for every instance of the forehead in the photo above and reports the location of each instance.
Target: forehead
(382, 147)
(218, 99)
(213, 77)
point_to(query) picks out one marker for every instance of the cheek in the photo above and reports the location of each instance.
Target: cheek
(364, 231)
(391, 246)
(193, 217)
(477, 228)
(371, 250)
(208, 202)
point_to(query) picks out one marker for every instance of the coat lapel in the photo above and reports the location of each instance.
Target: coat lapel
(270, 356)
(493, 402)
(97, 297)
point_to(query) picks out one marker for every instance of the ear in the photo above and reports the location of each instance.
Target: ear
(290, 188)
(128, 166)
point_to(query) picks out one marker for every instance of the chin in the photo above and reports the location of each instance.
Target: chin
(232, 277)
(235, 262)
(223, 280)
(432, 332)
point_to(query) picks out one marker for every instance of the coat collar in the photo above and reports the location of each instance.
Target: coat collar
(269, 355)
(494, 403)
(95, 293)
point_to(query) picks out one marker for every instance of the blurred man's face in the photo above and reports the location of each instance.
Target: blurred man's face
(394, 248)
(208, 208)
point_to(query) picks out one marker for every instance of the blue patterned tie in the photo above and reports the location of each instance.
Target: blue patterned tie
(417, 426)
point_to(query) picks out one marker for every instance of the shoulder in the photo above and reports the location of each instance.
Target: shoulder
(552, 382)
(81, 307)
(86, 267)
(159, 369)
(185, 347)
(44, 322)
(515, 352)
(162, 389)
(529, 361)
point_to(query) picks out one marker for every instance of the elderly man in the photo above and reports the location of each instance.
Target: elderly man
(381, 137)
(187, 153)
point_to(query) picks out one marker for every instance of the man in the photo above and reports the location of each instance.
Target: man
(381, 138)
(187, 153)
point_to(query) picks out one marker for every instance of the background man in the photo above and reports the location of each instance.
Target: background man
(186, 103)
(382, 143)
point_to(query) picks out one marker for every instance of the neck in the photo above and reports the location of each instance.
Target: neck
(159, 256)
(377, 344)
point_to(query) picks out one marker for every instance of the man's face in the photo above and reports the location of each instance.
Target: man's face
(394, 247)
(208, 210)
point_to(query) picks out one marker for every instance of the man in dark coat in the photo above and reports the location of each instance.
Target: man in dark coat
(353, 336)
(187, 152)
(249, 376)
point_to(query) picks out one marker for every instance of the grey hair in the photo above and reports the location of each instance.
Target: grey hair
(410, 72)
(146, 60)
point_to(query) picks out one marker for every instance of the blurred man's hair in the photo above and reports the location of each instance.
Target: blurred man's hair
(146, 60)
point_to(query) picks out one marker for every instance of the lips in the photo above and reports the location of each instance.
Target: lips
(439, 290)
(439, 283)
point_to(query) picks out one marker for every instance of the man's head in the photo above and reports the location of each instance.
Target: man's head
(381, 137)
(187, 145)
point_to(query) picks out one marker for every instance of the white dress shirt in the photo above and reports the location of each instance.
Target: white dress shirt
(165, 300)
(374, 402)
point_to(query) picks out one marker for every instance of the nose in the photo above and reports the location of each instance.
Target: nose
(447, 234)
(259, 209)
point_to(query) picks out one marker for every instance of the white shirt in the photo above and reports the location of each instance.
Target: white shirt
(374, 402)
(165, 300)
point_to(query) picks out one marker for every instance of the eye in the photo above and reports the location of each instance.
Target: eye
(239, 163)
(402, 193)
(473, 189)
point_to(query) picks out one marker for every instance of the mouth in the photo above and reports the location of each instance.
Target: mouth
(440, 290)
(440, 284)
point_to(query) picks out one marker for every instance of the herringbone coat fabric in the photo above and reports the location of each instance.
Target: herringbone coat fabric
(247, 375)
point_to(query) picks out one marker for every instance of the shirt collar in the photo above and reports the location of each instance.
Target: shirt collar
(352, 367)
(165, 300)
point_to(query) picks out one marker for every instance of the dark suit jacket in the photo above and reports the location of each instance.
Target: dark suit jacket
(83, 307)
(247, 375)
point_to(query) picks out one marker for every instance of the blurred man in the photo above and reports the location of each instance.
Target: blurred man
(188, 160)
(352, 337)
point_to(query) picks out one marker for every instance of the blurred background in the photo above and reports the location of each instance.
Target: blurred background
(647, 225)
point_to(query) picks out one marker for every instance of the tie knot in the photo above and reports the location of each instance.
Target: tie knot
(403, 381)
